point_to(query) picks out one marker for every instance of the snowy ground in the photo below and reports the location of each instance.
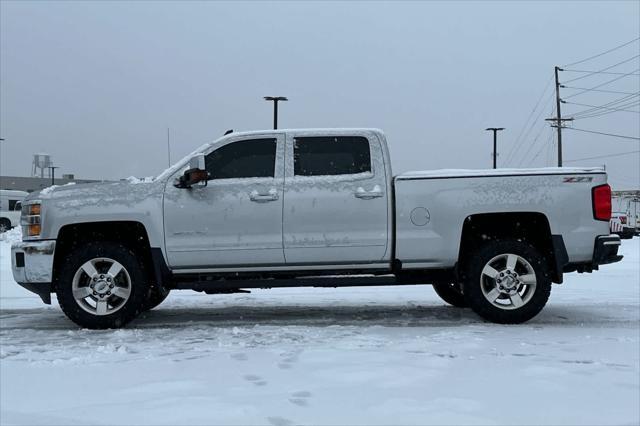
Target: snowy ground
(329, 356)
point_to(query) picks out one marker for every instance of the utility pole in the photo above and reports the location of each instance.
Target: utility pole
(275, 100)
(53, 174)
(558, 118)
(495, 131)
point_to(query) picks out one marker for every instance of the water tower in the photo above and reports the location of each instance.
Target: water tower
(41, 164)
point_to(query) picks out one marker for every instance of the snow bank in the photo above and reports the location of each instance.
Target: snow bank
(13, 235)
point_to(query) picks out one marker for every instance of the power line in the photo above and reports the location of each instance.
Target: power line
(602, 91)
(603, 70)
(546, 145)
(596, 72)
(603, 53)
(536, 121)
(601, 113)
(620, 154)
(601, 107)
(516, 145)
(602, 133)
(532, 145)
(619, 102)
(602, 84)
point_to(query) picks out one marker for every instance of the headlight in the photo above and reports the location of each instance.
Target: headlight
(30, 220)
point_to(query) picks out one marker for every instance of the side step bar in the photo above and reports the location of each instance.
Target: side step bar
(227, 285)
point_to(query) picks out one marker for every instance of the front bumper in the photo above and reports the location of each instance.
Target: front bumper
(32, 266)
(606, 250)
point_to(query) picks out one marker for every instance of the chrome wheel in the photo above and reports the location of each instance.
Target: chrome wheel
(101, 286)
(508, 281)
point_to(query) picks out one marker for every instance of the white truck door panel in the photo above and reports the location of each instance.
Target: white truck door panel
(237, 218)
(335, 201)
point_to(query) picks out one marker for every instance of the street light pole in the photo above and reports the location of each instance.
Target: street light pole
(53, 174)
(495, 131)
(275, 100)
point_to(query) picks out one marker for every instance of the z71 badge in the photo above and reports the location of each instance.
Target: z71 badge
(577, 179)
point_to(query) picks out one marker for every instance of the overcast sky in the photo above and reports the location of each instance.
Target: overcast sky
(96, 84)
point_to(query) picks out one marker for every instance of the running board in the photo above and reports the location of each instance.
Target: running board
(227, 285)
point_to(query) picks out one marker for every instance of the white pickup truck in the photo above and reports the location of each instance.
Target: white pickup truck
(313, 208)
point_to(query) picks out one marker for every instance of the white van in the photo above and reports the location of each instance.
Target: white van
(10, 205)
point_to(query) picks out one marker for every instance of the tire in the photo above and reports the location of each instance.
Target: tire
(89, 271)
(5, 225)
(450, 293)
(525, 287)
(156, 296)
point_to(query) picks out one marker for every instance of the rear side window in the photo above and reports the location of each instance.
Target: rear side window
(243, 159)
(331, 155)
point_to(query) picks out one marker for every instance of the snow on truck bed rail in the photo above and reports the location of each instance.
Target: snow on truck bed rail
(497, 172)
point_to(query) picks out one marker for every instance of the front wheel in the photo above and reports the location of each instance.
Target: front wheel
(507, 282)
(101, 285)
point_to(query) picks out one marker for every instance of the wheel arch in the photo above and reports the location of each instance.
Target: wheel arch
(130, 233)
(532, 227)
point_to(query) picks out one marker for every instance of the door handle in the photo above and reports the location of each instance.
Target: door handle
(376, 192)
(263, 197)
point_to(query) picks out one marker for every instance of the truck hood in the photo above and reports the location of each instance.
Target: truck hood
(99, 194)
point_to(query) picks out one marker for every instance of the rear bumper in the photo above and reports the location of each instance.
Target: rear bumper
(32, 266)
(606, 250)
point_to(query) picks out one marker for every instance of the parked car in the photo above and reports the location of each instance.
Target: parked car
(620, 225)
(10, 205)
(615, 225)
(283, 208)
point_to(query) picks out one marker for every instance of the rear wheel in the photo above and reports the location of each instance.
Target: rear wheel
(506, 282)
(101, 285)
(450, 293)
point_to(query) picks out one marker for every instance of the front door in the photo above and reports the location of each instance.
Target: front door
(335, 201)
(236, 220)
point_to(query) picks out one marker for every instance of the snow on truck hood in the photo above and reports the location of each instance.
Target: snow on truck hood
(84, 194)
(443, 173)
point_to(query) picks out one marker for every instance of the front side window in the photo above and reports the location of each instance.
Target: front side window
(243, 159)
(331, 155)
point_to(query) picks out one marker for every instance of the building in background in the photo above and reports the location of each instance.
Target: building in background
(31, 184)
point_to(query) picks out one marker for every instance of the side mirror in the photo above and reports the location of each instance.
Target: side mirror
(196, 173)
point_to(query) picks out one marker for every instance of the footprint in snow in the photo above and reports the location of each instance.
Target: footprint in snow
(288, 359)
(300, 398)
(279, 421)
(240, 357)
(256, 380)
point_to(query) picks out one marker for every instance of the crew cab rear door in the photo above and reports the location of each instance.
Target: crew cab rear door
(335, 201)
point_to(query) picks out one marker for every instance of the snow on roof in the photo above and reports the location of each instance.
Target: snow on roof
(497, 172)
